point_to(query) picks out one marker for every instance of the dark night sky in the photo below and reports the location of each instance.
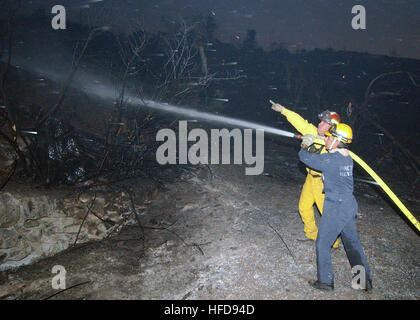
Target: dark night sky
(392, 25)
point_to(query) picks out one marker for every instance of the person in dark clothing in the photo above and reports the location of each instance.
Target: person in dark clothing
(340, 206)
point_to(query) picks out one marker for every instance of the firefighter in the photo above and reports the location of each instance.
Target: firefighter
(340, 206)
(312, 190)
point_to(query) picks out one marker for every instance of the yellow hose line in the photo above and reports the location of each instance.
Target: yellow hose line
(387, 190)
(383, 185)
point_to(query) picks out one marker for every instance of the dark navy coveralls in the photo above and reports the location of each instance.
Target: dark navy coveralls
(339, 212)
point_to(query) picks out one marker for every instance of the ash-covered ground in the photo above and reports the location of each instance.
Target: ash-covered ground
(216, 233)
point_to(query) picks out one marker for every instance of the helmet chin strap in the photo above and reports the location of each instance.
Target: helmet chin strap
(332, 144)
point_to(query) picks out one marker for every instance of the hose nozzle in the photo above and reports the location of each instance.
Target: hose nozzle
(317, 141)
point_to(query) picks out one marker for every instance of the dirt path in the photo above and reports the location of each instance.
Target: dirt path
(231, 236)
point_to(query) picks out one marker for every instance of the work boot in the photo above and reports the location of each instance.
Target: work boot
(369, 286)
(336, 244)
(321, 286)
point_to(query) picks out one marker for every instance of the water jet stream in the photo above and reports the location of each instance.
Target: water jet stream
(89, 84)
(209, 117)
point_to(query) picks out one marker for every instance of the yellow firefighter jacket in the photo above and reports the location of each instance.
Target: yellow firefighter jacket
(304, 127)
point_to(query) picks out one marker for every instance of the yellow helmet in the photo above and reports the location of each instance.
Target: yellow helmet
(342, 132)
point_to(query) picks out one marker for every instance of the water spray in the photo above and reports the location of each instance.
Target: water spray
(209, 117)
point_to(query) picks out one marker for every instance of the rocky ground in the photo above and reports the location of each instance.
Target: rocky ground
(219, 234)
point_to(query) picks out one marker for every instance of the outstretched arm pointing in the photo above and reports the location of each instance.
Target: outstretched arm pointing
(276, 106)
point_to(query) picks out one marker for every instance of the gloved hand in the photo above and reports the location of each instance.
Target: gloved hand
(307, 140)
(276, 106)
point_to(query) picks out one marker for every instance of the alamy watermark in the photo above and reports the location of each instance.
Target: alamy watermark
(176, 151)
(359, 20)
(58, 281)
(58, 22)
(358, 281)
